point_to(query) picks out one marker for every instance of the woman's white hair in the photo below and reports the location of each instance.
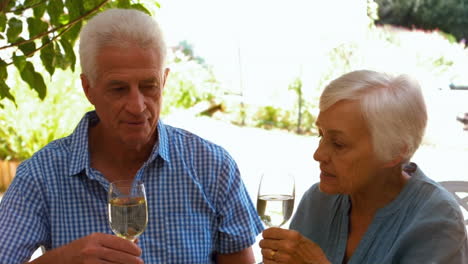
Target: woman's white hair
(392, 106)
(121, 28)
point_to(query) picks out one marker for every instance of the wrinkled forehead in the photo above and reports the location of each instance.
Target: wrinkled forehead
(344, 116)
(119, 60)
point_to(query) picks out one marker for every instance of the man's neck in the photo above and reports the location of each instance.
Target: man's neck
(115, 159)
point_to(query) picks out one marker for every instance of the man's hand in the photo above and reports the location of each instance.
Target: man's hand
(94, 249)
(289, 246)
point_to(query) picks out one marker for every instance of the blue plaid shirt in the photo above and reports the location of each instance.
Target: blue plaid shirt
(197, 202)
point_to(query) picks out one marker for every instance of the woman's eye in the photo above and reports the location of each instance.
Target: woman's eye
(338, 145)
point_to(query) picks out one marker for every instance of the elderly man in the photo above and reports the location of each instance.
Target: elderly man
(199, 209)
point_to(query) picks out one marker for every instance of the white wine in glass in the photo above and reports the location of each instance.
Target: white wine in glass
(128, 212)
(275, 200)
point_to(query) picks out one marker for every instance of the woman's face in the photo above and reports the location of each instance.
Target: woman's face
(347, 161)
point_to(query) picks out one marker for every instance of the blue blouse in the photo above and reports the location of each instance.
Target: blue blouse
(423, 224)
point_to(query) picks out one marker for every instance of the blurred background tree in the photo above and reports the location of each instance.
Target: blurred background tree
(48, 29)
(449, 16)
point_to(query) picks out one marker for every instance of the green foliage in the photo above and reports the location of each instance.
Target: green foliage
(189, 83)
(51, 29)
(450, 16)
(296, 86)
(32, 123)
(271, 117)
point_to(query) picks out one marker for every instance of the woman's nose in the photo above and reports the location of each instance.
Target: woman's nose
(320, 153)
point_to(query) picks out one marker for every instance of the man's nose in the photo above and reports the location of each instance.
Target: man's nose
(135, 101)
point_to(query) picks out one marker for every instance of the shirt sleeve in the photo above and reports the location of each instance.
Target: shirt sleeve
(437, 236)
(22, 219)
(239, 223)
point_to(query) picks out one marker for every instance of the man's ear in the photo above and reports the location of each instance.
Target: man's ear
(86, 85)
(166, 73)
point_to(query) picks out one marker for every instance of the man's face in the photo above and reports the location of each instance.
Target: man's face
(127, 93)
(345, 153)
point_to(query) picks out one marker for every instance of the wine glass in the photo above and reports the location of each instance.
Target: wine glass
(128, 212)
(275, 200)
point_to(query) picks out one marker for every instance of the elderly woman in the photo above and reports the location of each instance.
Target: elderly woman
(372, 205)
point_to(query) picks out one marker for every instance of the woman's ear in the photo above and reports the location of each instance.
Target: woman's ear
(393, 162)
(398, 159)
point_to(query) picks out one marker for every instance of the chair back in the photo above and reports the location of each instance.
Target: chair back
(459, 189)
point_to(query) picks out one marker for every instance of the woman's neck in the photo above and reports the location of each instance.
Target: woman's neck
(386, 187)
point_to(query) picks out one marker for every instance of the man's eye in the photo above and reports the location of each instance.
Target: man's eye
(118, 89)
(150, 87)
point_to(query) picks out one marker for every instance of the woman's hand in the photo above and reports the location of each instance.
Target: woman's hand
(289, 246)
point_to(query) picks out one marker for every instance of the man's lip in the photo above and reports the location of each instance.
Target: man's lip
(134, 122)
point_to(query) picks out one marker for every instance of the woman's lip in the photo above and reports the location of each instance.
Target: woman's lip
(325, 174)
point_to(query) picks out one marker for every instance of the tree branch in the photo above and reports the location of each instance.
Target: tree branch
(45, 45)
(3, 5)
(26, 7)
(57, 28)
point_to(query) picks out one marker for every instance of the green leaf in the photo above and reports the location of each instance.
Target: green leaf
(48, 55)
(11, 5)
(55, 10)
(141, 8)
(27, 48)
(15, 27)
(34, 80)
(123, 4)
(89, 4)
(75, 8)
(69, 53)
(60, 60)
(40, 10)
(39, 85)
(64, 19)
(5, 91)
(72, 34)
(19, 62)
(3, 21)
(3, 70)
(36, 26)
(31, 2)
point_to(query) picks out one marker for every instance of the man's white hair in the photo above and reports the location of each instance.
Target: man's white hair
(121, 28)
(392, 106)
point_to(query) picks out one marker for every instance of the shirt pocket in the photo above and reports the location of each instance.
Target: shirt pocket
(188, 238)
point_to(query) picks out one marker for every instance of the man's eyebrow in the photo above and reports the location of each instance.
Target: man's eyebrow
(150, 80)
(116, 82)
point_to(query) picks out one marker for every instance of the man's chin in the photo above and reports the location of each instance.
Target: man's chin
(136, 142)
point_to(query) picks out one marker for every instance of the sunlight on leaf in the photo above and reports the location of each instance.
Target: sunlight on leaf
(55, 10)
